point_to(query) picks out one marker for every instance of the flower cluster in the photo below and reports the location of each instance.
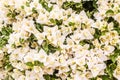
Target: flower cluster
(59, 39)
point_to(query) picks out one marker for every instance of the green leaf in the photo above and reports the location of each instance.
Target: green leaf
(66, 5)
(105, 77)
(116, 24)
(71, 23)
(3, 42)
(22, 7)
(49, 48)
(52, 21)
(9, 67)
(95, 78)
(32, 38)
(114, 56)
(97, 33)
(53, 49)
(47, 77)
(94, 4)
(45, 5)
(38, 63)
(91, 5)
(12, 14)
(109, 12)
(70, 4)
(28, 4)
(56, 21)
(39, 27)
(83, 42)
(35, 63)
(34, 10)
(110, 69)
(5, 32)
(21, 40)
(50, 77)
(30, 64)
(45, 46)
(6, 63)
(8, 77)
(59, 22)
(49, 8)
(13, 45)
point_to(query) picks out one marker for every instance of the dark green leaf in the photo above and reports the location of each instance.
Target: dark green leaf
(97, 33)
(93, 78)
(32, 41)
(66, 5)
(59, 22)
(70, 4)
(50, 77)
(91, 5)
(39, 27)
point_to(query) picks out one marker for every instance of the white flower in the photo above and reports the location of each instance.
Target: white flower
(97, 68)
(79, 76)
(117, 17)
(42, 56)
(16, 74)
(37, 69)
(19, 3)
(40, 37)
(28, 25)
(31, 75)
(81, 61)
(108, 49)
(118, 59)
(76, 37)
(42, 18)
(86, 34)
(22, 77)
(1, 56)
(83, 15)
(2, 74)
(30, 56)
(117, 72)
(73, 60)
